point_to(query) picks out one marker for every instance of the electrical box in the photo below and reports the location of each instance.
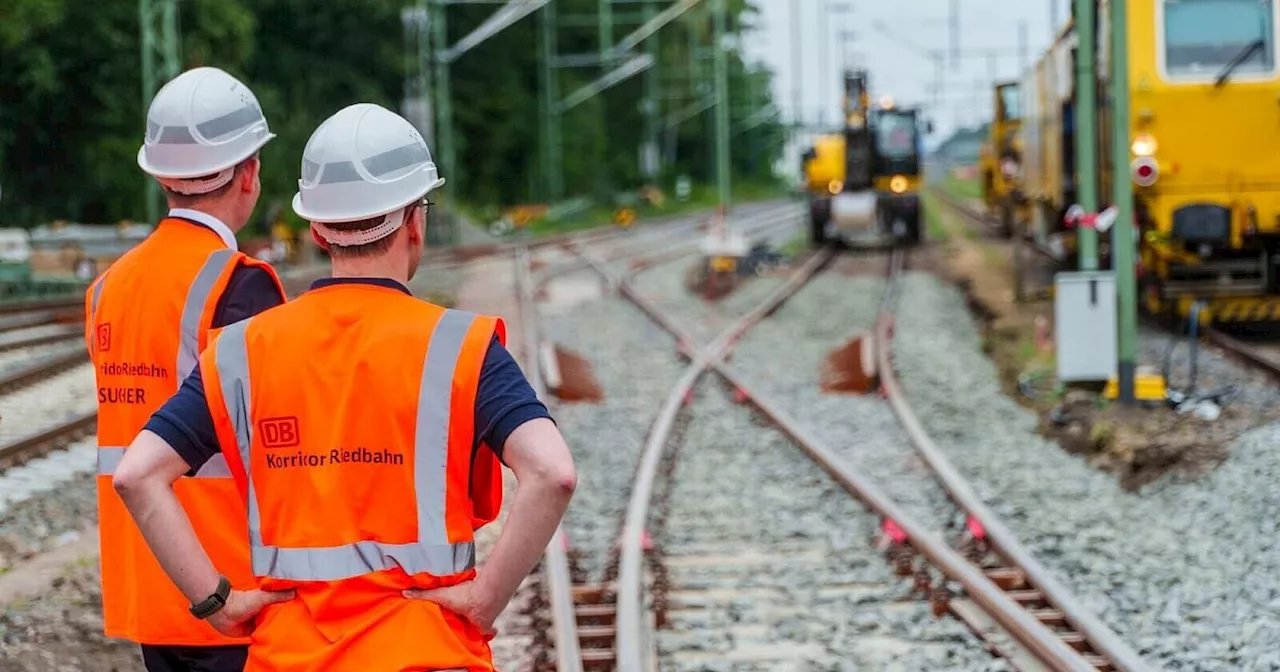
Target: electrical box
(1085, 325)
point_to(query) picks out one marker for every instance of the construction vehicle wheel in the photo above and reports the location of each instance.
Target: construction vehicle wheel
(1006, 221)
(819, 215)
(913, 235)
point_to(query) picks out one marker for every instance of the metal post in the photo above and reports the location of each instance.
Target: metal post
(1023, 50)
(722, 107)
(955, 35)
(606, 30)
(1122, 243)
(444, 102)
(797, 72)
(650, 162)
(158, 22)
(820, 15)
(551, 160)
(1087, 129)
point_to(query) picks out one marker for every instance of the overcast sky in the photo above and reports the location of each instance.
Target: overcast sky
(897, 66)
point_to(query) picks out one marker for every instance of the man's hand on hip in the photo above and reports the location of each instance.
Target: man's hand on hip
(236, 619)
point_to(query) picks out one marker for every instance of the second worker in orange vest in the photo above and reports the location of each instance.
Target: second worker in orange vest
(364, 428)
(147, 318)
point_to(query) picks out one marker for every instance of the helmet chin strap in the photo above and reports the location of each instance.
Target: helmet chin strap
(200, 185)
(389, 225)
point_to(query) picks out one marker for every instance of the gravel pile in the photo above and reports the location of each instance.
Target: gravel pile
(636, 365)
(785, 355)
(772, 568)
(1188, 574)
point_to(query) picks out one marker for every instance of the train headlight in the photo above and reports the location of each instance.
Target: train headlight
(897, 184)
(1144, 144)
(834, 186)
(1145, 171)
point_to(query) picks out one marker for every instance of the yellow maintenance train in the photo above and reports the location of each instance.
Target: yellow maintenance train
(864, 184)
(1001, 157)
(1204, 155)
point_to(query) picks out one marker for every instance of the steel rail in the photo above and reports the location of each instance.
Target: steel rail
(13, 340)
(555, 561)
(1246, 351)
(22, 449)
(765, 218)
(1099, 636)
(1022, 625)
(556, 567)
(1006, 543)
(630, 637)
(28, 305)
(42, 368)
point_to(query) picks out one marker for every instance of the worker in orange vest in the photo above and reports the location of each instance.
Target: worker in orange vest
(147, 318)
(365, 429)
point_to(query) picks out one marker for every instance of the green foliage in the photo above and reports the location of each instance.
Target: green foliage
(71, 119)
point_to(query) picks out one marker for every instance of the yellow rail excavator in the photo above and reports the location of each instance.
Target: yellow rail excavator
(863, 185)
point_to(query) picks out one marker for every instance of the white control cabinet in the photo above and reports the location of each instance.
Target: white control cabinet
(1085, 325)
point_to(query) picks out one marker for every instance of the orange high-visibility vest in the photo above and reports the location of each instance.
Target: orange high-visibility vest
(346, 418)
(147, 318)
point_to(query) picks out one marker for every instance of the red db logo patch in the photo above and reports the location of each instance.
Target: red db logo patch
(278, 432)
(104, 337)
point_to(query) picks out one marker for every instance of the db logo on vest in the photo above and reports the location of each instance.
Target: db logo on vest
(278, 432)
(104, 337)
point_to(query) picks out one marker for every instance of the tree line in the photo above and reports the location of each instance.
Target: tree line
(71, 101)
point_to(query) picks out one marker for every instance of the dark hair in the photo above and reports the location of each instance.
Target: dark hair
(190, 200)
(379, 246)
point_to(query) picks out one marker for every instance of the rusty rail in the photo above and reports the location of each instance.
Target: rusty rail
(555, 562)
(1025, 628)
(13, 341)
(29, 446)
(33, 372)
(630, 636)
(1246, 351)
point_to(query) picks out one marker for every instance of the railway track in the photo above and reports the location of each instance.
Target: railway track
(1262, 355)
(1009, 594)
(580, 619)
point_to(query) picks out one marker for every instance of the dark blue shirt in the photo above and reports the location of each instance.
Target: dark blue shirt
(504, 401)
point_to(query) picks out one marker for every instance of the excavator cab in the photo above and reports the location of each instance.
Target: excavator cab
(898, 144)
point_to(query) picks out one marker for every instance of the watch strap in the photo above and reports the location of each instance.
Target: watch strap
(215, 602)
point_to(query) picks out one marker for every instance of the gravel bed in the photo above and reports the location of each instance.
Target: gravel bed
(785, 355)
(438, 283)
(46, 502)
(47, 403)
(636, 365)
(771, 565)
(12, 361)
(61, 630)
(1187, 573)
(1259, 396)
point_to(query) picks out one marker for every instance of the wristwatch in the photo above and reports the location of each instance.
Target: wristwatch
(215, 602)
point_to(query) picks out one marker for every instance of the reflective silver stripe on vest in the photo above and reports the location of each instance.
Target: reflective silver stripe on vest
(197, 296)
(432, 553)
(97, 294)
(109, 458)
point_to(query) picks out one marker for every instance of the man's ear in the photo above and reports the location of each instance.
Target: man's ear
(417, 224)
(249, 175)
(324, 244)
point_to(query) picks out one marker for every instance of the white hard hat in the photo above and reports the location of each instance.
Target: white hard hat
(363, 162)
(202, 123)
